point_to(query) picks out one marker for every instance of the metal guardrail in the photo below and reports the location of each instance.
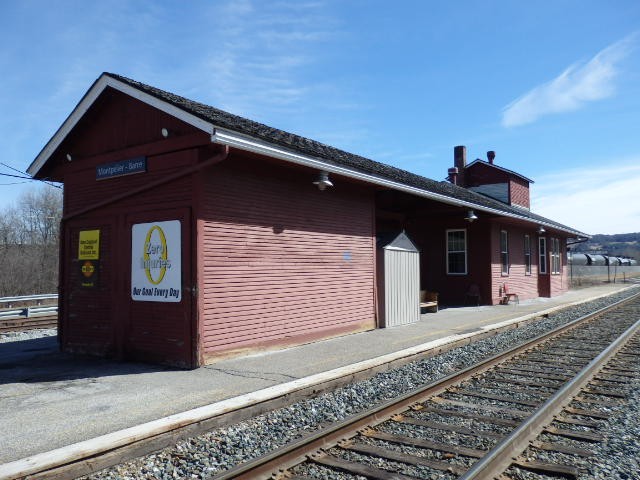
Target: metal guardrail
(30, 298)
(30, 311)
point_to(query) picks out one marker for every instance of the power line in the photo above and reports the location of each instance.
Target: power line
(14, 169)
(16, 176)
(51, 184)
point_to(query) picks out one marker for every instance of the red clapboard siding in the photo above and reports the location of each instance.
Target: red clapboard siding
(526, 286)
(560, 283)
(431, 238)
(282, 262)
(519, 192)
(83, 190)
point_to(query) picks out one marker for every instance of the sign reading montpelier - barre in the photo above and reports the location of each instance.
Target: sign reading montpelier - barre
(156, 269)
(121, 168)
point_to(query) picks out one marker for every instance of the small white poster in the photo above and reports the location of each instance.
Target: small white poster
(156, 271)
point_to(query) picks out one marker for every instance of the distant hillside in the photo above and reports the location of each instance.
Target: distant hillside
(619, 245)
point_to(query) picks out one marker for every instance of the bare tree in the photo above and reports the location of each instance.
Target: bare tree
(29, 238)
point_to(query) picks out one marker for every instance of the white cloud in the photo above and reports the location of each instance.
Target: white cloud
(577, 85)
(593, 200)
(258, 57)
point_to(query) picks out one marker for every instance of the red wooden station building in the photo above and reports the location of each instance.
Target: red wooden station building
(190, 234)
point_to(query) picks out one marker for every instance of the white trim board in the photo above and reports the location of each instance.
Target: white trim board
(87, 101)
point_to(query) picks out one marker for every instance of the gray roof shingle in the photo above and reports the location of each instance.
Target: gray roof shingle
(332, 155)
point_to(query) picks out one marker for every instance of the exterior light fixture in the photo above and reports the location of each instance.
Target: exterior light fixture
(471, 216)
(164, 132)
(69, 157)
(541, 229)
(323, 180)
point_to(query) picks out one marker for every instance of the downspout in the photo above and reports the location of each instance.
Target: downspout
(219, 157)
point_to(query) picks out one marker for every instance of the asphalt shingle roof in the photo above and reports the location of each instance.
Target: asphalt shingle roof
(331, 155)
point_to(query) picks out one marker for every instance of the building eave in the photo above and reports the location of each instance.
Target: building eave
(247, 143)
(498, 167)
(103, 82)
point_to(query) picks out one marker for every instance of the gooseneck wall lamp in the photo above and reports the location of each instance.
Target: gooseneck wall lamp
(470, 217)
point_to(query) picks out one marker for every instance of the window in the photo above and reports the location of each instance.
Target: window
(527, 255)
(555, 256)
(504, 251)
(542, 254)
(456, 252)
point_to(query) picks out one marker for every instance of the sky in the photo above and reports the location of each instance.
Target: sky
(553, 87)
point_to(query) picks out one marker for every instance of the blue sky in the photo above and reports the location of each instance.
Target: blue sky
(552, 86)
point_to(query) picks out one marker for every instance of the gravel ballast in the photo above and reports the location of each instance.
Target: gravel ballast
(219, 450)
(27, 335)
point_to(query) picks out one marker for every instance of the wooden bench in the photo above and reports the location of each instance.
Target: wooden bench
(429, 300)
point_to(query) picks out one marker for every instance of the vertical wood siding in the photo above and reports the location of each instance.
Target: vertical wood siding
(106, 320)
(88, 322)
(282, 262)
(401, 287)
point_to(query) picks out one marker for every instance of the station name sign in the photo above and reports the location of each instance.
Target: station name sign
(121, 168)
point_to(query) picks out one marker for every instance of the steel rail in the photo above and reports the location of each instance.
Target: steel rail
(499, 458)
(297, 451)
(19, 324)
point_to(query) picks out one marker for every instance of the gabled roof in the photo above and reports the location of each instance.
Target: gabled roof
(493, 165)
(228, 129)
(397, 241)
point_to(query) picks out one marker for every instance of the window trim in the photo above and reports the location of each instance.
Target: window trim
(542, 255)
(504, 252)
(527, 255)
(556, 264)
(465, 251)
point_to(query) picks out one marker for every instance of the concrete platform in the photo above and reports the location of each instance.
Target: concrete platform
(49, 400)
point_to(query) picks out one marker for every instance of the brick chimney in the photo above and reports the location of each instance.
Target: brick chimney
(453, 175)
(456, 174)
(490, 156)
(460, 157)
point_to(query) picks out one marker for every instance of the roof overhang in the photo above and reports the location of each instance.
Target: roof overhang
(248, 143)
(91, 96)
(245, 142)
(498, 167)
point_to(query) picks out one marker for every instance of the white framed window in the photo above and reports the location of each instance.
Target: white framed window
(527, 255)
(457, 252)
(504, 251)
(542, 255)
(556, 264)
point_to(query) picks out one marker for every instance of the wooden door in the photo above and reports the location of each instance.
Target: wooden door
(159, 322)
(88, 287)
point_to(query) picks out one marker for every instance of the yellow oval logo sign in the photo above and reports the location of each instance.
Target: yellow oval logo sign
(155, 255)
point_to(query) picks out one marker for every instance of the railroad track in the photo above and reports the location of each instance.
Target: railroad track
(18, 324)
(496, 419)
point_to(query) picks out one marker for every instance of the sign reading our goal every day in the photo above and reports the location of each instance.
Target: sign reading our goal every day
(156, 271)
